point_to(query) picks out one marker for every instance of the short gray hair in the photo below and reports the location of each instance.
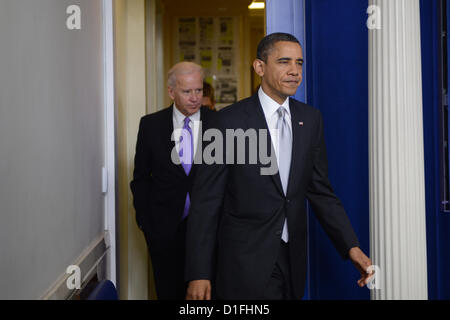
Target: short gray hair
(180, 68)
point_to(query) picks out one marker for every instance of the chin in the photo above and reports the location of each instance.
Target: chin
(192, 111)
(290, 93)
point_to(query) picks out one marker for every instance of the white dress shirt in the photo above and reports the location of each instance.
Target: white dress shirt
(270, 108)
(178, 124)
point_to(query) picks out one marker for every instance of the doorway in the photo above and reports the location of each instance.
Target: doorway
(220, 36)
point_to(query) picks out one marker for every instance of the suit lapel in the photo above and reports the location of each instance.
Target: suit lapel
(167, 132)
(256, 119)
(299, 143)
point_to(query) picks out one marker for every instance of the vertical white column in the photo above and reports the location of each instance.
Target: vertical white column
(397, 183)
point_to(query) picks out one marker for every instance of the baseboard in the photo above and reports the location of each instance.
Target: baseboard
(92, 262)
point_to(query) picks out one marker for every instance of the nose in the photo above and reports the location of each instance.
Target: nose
(295, 69)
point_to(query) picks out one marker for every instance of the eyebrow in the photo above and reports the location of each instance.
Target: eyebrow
(289, 59)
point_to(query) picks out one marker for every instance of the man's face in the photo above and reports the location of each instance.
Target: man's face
(282, 72)
(188, 93)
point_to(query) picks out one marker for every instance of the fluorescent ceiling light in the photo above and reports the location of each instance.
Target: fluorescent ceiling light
(256, 5)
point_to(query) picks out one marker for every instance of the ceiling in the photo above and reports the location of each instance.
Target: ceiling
(207, 7)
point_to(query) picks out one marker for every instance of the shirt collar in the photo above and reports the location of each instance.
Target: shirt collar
(179, 117)
(270, 106)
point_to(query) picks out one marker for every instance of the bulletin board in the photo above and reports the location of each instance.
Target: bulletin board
(213, 43)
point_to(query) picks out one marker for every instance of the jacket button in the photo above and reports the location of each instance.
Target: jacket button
(278, 233)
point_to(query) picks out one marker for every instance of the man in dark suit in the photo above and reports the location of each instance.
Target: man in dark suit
(163, 175)
(259, 220)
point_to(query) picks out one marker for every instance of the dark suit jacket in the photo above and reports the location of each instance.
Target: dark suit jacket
(245, 211)
(159, 186)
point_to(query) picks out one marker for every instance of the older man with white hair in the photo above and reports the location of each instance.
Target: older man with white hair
(161, 186)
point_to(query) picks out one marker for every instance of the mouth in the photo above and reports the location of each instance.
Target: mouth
(292, 82)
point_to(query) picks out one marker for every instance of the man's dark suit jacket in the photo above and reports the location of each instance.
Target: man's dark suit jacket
(245, 211)
(159, 186)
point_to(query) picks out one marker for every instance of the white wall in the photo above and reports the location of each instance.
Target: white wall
(51, 141)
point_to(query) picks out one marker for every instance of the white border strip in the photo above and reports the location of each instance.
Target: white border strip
(109, 101)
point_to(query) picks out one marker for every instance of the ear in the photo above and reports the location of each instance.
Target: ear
(259, 65)
(171, 92)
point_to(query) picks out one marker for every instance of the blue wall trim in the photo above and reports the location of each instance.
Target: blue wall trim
(337, 71)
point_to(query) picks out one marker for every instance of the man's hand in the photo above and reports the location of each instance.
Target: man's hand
(199, 290)
(362, 263)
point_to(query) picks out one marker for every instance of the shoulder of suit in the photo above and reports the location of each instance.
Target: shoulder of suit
(158, 115)
(230, 115)
(304, 108)
(236, 107)
(207, 112)
(293, 103)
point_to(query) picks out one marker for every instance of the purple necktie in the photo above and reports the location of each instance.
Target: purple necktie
(186, 151)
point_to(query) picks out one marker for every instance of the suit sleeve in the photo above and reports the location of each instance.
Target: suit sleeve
(206, 203)
(326, 206)
(142, 176)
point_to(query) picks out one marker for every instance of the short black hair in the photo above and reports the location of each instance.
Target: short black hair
(267, 43)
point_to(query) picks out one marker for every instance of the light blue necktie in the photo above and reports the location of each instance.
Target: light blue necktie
(186, 156)
(284, 157)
